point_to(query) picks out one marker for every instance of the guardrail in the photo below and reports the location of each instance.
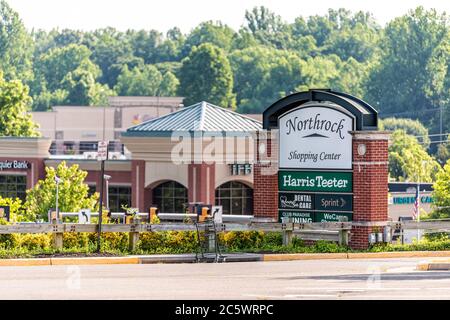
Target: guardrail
(331, 231)
(167, 216)
(316, 231)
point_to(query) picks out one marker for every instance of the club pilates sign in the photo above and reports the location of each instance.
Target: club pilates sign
(315, 137)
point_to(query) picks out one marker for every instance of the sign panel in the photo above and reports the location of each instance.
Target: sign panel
(333, 202)
(4, 212)
(102, 150)
(295, 216)
(217, 212)
(315, 181)
(84, 216)
(315, 137)
(332, 216)
(299, 201)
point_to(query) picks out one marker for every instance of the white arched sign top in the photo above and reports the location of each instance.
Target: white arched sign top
(315, 137)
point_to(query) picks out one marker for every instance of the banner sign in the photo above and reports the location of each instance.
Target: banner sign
(315, 137)
(315, 181)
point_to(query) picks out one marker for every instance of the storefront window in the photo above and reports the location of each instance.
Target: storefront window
(235, 198)
(13, 186)
(119, 196)
(170, 197)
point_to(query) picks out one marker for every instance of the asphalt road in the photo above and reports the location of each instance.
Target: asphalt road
(319, 279)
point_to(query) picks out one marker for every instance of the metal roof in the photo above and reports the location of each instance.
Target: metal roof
(202, 116)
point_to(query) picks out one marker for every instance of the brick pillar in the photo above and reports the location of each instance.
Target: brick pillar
(370, 185)
(201, 179)
(265, 180)
(138, 185)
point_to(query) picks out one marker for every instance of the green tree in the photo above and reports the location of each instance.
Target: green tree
(215, 33)
(441, 194)
(268, 28)
(16, 46)
(409, 161)
(72, 195)
(397, 83)
(139, 82)
(66, 75)
(169, 85)
(206, 75)
(411, 127)
(82, 87)
(14, 104)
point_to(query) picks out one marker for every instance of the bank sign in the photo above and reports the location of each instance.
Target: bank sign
(315, 138)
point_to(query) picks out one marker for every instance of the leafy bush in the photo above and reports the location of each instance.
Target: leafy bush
(79, 240)
(115, 241)
(34, 241)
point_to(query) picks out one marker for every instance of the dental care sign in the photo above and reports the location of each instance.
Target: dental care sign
(315, 138)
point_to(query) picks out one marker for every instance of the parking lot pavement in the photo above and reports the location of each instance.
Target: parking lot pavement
(311, 279)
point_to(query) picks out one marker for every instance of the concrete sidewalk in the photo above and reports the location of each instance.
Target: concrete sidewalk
(232, 257)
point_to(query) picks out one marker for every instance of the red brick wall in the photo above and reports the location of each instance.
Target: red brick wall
(370, 185)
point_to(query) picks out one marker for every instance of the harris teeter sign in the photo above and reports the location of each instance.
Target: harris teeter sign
(314, 181)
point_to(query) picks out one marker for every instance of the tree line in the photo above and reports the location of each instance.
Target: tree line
(402, 69)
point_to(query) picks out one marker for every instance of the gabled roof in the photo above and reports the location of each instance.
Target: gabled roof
(202, 116)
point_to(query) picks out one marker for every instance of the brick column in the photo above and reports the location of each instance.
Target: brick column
(201, 178)
(370, 185)
(265, 180)
(138, 184)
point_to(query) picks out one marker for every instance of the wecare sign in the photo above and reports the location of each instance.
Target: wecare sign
(315, 137)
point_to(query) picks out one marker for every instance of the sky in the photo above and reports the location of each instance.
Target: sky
(186, 14)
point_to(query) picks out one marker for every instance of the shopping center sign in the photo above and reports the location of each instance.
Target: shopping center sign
(315, 137)
(315, 181)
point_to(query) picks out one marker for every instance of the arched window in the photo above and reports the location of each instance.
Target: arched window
(235, 198)
(170, 197)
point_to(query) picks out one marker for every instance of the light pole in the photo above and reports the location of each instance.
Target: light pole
(107, 177)
(58, 180)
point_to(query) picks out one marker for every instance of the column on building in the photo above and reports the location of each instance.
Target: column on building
(201, 179)
(265, 179)
(370, 185)
(138, 184)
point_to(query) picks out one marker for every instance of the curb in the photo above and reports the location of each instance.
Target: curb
(438, 265)
(303, 256)
(356, 255)
(244, 257)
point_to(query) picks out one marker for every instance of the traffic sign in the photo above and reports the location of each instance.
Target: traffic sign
(102, 150)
